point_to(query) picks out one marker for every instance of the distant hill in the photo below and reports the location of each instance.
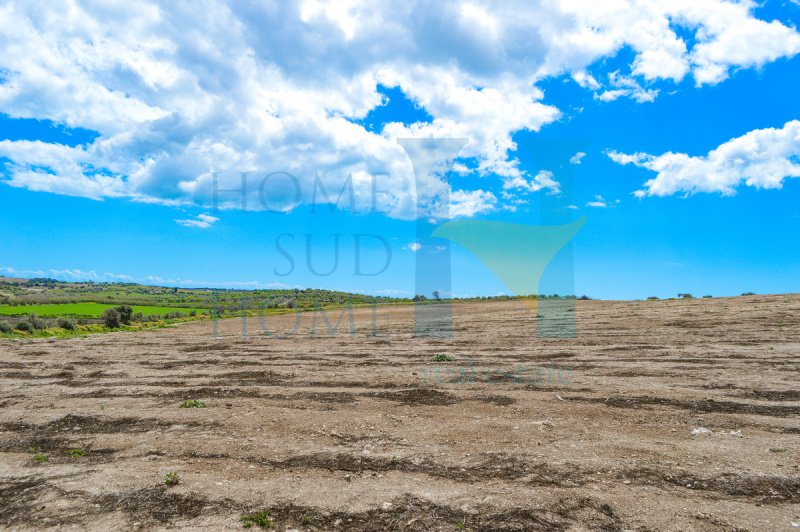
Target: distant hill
(44, 291)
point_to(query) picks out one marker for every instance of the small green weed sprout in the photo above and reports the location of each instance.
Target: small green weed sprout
(172, 479)
(441, 357)
(76, 453)
(193, 403)
(260, 519)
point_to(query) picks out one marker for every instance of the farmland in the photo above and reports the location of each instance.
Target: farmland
(84, 310)
(660, 415)
(47, 307)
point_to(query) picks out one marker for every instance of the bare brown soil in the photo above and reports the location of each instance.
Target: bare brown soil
(368, 433)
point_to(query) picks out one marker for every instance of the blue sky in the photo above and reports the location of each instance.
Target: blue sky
(686, 178)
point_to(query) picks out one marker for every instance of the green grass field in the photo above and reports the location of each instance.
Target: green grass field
(84, 310)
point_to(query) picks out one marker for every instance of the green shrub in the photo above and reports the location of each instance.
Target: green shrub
(652, 298)
(193, 403)
(5, 328)
(76, 453)
(110, 318)
(24, 326)
(441, 357)
(66, 323)
(41, 458)
(172, 479)
(36, 322)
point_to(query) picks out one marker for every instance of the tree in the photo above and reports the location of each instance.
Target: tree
(436, 295)
(125, 314)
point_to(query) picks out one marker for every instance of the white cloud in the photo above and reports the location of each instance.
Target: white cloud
(628, 87)
(586, 80)
(762, 158)
(178, 93)
(203, 221)
(725, 35)
(414, 246)
(622, 158)
(73, 274)
(598, 202)
(469, 203)
(730, 37)
(78, 275)
(542, 181)
(576, 159)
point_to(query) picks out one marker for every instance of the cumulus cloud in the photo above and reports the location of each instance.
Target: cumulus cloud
(185, 99)
(203, 221)
(762, 158)
(724, 35)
